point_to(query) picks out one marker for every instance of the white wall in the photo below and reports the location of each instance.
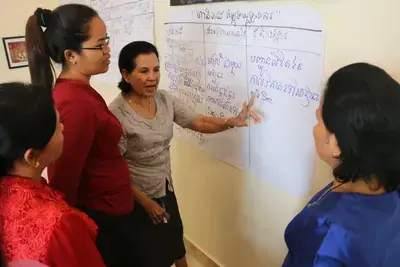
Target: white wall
(13, 17)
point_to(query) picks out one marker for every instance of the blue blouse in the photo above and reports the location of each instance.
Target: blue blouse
(346, 229)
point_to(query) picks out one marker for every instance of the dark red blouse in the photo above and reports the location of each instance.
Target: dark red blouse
(91, 170)
(37, 224)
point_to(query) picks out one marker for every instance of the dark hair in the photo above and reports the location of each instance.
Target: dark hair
(362, 108)
(67, 27)
(127, 59)
(27, 121)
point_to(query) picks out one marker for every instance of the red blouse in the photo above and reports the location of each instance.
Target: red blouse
(91, 170)
(37, 224)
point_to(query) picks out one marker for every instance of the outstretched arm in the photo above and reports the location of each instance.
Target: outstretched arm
(204, 124)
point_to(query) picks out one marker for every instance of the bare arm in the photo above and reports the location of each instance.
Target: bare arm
(155, 211)
(204, 124)
(140, 196)
(210, 125)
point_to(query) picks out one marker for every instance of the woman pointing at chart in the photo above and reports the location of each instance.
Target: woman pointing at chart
(147, 116)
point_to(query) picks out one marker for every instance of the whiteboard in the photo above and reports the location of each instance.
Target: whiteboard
(126, 21)
(217, 58)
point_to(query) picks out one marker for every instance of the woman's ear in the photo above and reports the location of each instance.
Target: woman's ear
(125, 75)
(334, 146)
(31, 158)
(70, 57)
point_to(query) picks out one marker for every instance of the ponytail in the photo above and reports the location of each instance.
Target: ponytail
(125, 86)
(40, 66)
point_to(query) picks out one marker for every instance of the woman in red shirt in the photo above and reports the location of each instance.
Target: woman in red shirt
(91, 171)
(35, 222)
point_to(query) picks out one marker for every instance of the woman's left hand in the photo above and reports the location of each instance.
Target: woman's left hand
(242, 120)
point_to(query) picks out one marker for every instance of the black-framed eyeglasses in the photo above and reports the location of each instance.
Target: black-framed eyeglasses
(100, 47)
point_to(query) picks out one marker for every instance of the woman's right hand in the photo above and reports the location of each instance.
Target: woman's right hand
(155, 211)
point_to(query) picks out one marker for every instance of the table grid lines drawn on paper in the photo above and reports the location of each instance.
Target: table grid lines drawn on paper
(281, 63)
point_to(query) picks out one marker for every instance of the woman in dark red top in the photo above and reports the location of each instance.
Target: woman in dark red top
(36, 223)
(91, 171)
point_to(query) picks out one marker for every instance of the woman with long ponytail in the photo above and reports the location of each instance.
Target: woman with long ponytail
(40, 66)
(91, 171)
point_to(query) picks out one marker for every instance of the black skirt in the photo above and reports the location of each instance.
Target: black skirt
(159, 245)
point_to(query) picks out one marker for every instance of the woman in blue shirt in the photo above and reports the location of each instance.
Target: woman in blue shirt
(355, 220)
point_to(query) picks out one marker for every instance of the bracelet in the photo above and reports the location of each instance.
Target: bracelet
(229, 126)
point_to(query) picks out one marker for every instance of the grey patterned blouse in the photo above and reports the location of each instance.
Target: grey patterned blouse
(145, 143)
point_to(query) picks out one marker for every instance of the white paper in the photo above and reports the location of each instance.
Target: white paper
(215, 60)
(82, 2)
(126, 21)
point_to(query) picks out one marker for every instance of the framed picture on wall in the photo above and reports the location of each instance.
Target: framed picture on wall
(15, 50)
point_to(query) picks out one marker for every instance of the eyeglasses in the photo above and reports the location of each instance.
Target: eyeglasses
(100, 47)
